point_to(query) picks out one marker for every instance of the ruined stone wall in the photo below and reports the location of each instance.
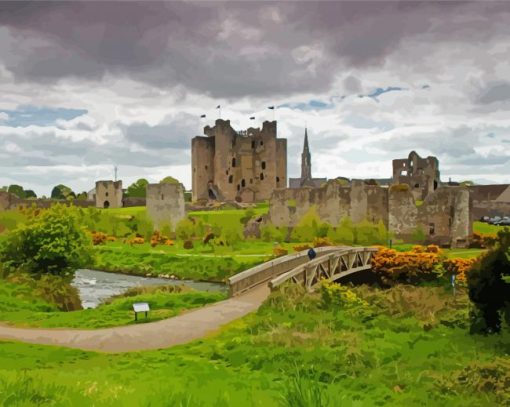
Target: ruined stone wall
(490, 200)
(445, 216)
(333, 202)
(165, 204)
(421, 174)
(5, 200)
(244, 166)
(109, 194)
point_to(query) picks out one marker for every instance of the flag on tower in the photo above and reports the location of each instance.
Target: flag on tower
(202, 116)
(252, 118)
(218, 107)
(270, 107)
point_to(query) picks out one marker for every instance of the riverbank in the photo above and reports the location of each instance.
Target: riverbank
(18, 307)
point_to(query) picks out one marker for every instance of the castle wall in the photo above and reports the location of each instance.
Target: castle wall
(165, 204)
(333, 202)
(109, 194)
(445, 216)
(5, 200)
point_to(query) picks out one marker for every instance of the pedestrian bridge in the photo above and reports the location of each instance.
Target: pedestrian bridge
(331, 263)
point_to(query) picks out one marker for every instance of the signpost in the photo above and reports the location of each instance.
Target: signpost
(140, 307)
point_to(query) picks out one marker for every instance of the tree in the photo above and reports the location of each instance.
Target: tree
(137, 189)
(30, 194)
(82, 196)
(488, 289)
(16, 190)
(62, 192)
(51, 243)
(169, 180)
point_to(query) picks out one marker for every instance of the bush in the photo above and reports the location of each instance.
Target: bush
(279, 251)
(483, 240)
(322, 242)
(98, 238)
(271, 233)
(301, 247)
(188, 244)
(335, 295)
(52, 243)
(487, 288)
(136, 240)
(309, 227)
(419, 264)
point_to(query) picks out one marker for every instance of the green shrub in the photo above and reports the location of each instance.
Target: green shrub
(51, 243)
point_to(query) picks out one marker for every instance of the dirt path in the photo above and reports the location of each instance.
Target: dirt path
(162, 334)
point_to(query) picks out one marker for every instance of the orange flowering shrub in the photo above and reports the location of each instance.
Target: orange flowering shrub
(136, 240)
(322, 241)
(158, 238)
(169, 242)
(301, 247)
(98, 238)
(420, 264)
(279, 251)
(459, 267)
(111, 239)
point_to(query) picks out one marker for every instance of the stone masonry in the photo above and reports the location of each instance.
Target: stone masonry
(445, 215)
(165, 204)
(243, 166)
(108, 194)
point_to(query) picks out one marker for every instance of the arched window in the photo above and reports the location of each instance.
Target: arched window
(262, 176)
(263, 165)
(243, 183)
(231, 179)
(233, 162)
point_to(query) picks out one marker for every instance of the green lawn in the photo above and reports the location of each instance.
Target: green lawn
(482, 227)
(406, 346)
(19, 307)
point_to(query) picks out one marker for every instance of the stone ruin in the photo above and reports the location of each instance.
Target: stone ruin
(108, 194)
(444, 216)
(165, 204)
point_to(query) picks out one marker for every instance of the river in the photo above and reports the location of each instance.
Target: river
(95, 286)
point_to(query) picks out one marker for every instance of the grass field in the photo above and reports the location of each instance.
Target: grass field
(18, 306)
(406, 346)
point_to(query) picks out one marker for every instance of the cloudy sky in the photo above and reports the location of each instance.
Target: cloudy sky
(87, 86)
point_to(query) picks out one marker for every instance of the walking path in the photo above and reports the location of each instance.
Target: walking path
(155, 335)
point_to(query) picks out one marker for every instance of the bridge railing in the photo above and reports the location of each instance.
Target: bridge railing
(271, 269)
(299, 273)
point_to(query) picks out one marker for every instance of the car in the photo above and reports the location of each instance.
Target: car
(504, 222)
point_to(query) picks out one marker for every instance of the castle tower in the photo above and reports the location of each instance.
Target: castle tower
(306, 163)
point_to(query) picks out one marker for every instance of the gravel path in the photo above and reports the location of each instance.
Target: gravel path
(155, 335)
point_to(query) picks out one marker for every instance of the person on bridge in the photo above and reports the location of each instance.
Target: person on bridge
(312, 254)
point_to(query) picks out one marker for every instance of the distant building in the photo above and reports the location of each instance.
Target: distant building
(243, 166)
(108, 194)
(306, 179)
(165, 204)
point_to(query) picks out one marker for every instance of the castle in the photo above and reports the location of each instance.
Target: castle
(242, 166)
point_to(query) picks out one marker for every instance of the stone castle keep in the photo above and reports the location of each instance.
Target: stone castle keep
(242, 166)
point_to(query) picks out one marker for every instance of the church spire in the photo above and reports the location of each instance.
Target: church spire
(306, 162)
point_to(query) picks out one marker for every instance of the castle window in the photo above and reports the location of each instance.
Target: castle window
(403, 172)
(233, 162)
(238, 187)
(277, 179)
(251, 180)
(253, 144)
(263, 165)
(431, 229)
(226, 172)
(231, 179)
(261, 143)
(262, 176)
(243, 183)
(206, 167)
(106, 194)
(416, 185)
(194, 169)
(162, 196)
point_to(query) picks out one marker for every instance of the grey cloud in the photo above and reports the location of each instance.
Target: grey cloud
(495, 92)
(225, 49)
